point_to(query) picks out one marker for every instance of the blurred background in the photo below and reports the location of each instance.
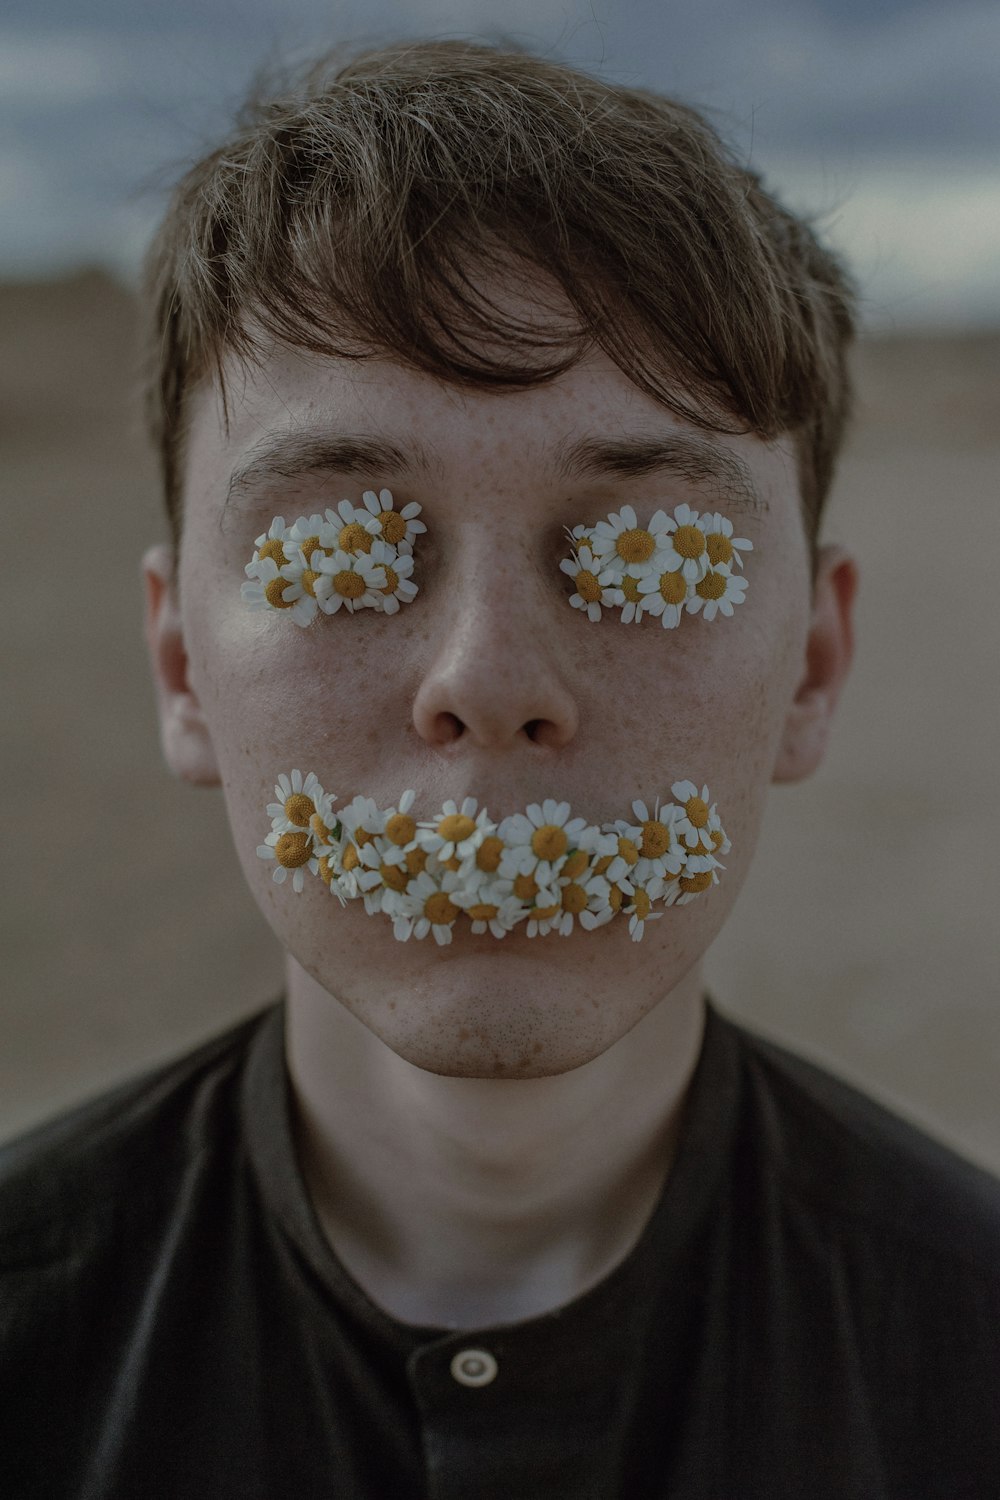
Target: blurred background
(866, 935)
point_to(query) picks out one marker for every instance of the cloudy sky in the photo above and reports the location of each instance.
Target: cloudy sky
(880, 116)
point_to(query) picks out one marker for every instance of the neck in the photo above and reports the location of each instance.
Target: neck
(466, 1202)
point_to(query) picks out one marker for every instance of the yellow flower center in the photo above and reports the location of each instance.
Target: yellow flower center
(351, 858)
(273, 592)
(615, 898)
(393, 527)
(697, 812)
(309, 580)
(628, 851)
(362, 837)
(655, 839)
(325, 869)
(309, 546)
(416, 860)
(641, 904)
(299, 809)
(602, 864)
(454, 863)
(348, 584)
(574, 898)
(543, 913)
(720, 548)
(319, 828)
(401, 829)
(630, 588)
(635, 546)
(712, 586)
(482, 912)
(440, 910)
(391, 579)
(549, 842)
(525, 888)
(394, 876)
(689, 541)
(488, 854)
(696, 883)
(293, 850)
(576, 864)
(718, 838)
(456, 827)
(673, 587)
(354, 538)
(588, 587)
(273, 548)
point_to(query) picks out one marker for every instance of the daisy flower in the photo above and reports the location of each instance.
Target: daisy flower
(298, 800)
(398, 566)
(693, 885)
(604, 900)
(350, 579)
(539, 840)
(267, 590)
(694, 812)
(580, 536)
(350, 530)
(663, 595)
(456, 832)
(269, 544)
(721, 545)
(686, 551)
(640, 911)
(634, 599)
(293, 852)
(309, 533)
(381, 518)
(596, 584)
(300, 599)
(658, 836)
(717, 592)
(493, 908)
(620, 539)
(428, 907)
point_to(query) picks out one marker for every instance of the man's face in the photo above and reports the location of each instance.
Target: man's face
(488, 684)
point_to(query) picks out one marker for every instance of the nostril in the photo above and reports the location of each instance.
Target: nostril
(450, 727)
(532, 728)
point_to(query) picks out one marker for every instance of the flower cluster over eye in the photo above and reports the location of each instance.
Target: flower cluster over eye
(674, 564)
(542, 867)
(354, 557)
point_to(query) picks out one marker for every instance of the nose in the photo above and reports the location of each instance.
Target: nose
(494, 679)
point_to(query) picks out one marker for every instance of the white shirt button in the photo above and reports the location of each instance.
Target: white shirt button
(474, 1367)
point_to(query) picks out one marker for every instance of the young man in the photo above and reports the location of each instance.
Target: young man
(505, 1209)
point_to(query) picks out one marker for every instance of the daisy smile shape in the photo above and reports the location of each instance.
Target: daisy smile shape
(542, 866)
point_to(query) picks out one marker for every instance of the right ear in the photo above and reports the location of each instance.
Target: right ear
(187, 744)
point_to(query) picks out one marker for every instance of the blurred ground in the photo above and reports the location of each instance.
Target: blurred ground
(865, 937)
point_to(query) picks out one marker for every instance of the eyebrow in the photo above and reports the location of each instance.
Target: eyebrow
(693, 458)
(292, 455)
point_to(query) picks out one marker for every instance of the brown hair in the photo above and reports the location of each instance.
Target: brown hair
(355, 212)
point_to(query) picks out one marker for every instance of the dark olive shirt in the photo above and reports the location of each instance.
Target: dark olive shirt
(811, 1313)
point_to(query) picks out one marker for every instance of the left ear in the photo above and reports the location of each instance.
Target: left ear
(828, 654)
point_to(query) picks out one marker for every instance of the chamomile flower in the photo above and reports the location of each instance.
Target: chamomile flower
(596, 583)
(721, 545)
(695, 884)
(383, 519)
(717, 592)
(538, 841)
(456, 832)
(399, 830)
(350, 579)
(298, 800)
(308, 533)
(686, 550)
(658, 836)
(492, 908)
(428, 907)
(269, 544)
(398, 567)
(663, 596)
(300, 598)
(349, 526)
(634, 599)
(639, 910)
(621, 540)
(293, 852)
(268, 586)
(580, 536)
(694, 812)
